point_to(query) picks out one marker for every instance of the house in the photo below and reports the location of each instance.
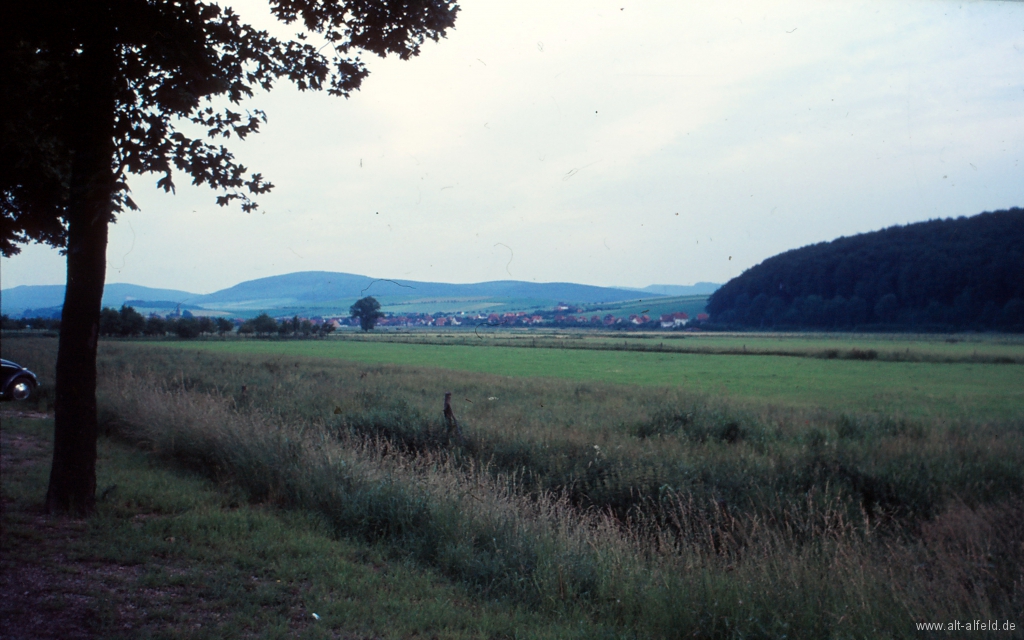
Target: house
(673, 320)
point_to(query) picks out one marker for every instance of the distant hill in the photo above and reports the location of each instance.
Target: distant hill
(323, 287)
(963, 273)
(699, 289)
(331, 293)
(17, 300)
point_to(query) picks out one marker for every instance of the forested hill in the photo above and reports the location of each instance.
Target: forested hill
(963, 273)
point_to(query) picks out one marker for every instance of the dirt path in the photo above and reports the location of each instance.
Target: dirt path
(36, 599)
(58, 579)
(44, 593)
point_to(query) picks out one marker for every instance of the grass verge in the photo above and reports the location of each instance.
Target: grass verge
(172, 555)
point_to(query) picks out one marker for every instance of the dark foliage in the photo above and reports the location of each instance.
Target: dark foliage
(955, 274)
(224, 325)
(169, 62)
(94, 91)
(262, 325)
(126, 322)
(368, 311)
(38, 323)
(155, 326)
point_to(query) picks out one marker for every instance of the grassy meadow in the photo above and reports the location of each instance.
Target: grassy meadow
(641, 493)
(977, 348)
(921, 388)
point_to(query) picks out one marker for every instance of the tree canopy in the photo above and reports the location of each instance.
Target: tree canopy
(126, 322)
(964, 273)
(96, 91)
(162, 65)
(263, 324)
(368, 311)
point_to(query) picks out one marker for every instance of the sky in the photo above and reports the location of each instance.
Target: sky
(607, 143)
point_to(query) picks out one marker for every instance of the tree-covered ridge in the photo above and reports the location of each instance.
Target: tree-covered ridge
(963, 273)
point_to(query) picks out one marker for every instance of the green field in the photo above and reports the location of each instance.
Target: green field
(888, 346)
(638, 492)
(653, 307)
(997, 349)
(935, 389)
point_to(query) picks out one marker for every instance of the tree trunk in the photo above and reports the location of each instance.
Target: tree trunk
(73, 474)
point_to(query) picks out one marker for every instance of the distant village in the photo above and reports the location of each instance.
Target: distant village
(563, 315)
(187, 323)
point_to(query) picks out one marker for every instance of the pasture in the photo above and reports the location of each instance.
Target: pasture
(922, 388)
(981, 348)
(845, 503)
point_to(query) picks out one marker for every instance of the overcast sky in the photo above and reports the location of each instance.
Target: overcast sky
(608, 143)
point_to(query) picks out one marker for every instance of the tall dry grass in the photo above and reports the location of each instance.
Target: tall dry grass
(614, 447)
(656, 512)
(715, 572)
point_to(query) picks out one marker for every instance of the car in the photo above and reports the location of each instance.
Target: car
(16, 382)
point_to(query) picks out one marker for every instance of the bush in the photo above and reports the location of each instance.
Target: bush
(155, 326)
(187, 328)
